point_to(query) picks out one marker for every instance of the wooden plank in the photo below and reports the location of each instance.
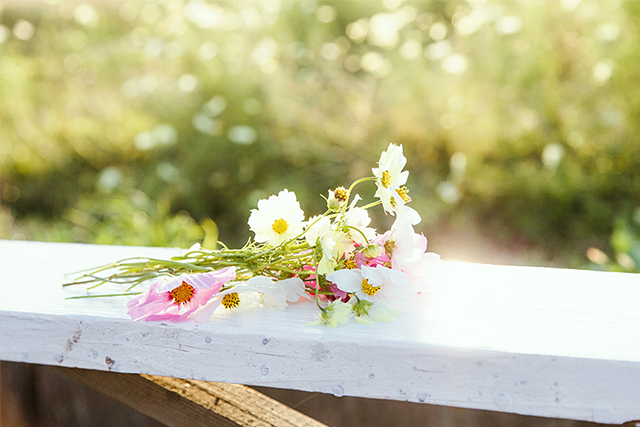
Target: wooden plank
(534, 341)
(178, 402)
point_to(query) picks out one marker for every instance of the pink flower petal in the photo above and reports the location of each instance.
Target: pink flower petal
(157, 304)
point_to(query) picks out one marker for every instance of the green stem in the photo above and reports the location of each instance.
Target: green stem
(108, 295)
(370, 205)
(361, 180)
(315, 263)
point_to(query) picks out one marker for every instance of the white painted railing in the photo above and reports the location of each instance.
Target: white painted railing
(536, 341)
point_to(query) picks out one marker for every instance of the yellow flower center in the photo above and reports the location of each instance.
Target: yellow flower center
(386, 179)
(231, 301)
(341, 194)
(183, 293)
(350, 264)
(404, 193)
(368, 289)
(280, 226)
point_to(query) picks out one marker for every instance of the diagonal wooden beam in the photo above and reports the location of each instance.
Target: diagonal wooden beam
(178, 402)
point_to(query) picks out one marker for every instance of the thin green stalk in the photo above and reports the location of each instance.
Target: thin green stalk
(359, 231)
(107, 295)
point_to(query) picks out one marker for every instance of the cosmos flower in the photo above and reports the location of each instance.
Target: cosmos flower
(372, 284)
(408, 249)
(179, 298)
(277, 219)
(336, 313)
(390, 178)
(276, 294)
(255, 291)
(371, 313)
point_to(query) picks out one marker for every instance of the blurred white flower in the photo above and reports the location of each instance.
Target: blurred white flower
(336, 313)
(276, 294)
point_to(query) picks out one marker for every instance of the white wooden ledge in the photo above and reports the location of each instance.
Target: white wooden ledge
(534, 341)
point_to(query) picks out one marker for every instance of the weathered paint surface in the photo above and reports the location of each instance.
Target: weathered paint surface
(533, 341)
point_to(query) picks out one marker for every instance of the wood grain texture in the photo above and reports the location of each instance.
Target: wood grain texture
(178, 402)
(534, 341)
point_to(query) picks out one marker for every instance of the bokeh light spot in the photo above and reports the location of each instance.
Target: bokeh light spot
(243, 135)
(23, 29)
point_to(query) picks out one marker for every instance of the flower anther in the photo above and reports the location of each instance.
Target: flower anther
(350, 264)
(403, 192)
(386, 179)
(231, 301)
(389, 246)
(341, 194)
(280, 226)
(368, 289)
(183, 293)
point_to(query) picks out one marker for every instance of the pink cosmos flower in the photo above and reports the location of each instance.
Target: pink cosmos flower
(179, 298)
(409, 253)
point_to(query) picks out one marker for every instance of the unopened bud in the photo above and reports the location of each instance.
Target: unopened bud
(337, 198)
(373, 251)
(334, 204)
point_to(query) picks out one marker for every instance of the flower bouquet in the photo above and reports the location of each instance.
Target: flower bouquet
(335, 259)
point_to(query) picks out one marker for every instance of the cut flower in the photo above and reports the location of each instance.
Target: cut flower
(373, 284)
(277, 219)
(336, 313)
(179, 298)
(390, 178)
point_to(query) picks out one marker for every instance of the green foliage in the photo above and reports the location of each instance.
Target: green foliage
(520, 117)
(121, 219)
(625, 242)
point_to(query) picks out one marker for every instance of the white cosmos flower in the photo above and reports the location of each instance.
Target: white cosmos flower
(334, 245)
(390, 178)
(373, 283)
(275, 295)
(378, 313)
(250, 294)
(237, 299)
(277, 219)
(336, 313)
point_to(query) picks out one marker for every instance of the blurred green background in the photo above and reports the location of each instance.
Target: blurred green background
(163, 123)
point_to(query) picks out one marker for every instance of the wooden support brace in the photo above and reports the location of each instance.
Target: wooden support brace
(178, 402)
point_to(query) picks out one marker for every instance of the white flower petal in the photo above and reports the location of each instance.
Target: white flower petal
(347, 280)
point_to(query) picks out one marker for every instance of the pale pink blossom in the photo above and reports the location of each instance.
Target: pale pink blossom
(179, 298)
(409, 249)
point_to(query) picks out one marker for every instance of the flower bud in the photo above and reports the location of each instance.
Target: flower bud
(373, 251)
(337, 198)
(334, 204)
